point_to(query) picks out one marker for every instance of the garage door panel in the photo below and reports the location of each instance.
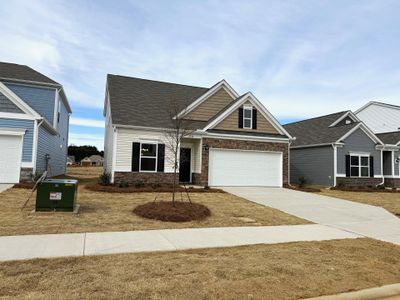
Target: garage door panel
(10, 158)
(244, 168)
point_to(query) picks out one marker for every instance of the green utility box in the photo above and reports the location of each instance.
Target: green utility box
(56, 195)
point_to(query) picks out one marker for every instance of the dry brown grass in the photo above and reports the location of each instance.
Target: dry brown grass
(113, 212)
(389, 201)
(284, 271)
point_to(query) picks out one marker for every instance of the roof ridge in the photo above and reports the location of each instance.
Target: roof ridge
(158, 81)
(389, 132)
(319, 117)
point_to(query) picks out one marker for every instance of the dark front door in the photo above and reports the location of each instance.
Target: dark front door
(184, 165)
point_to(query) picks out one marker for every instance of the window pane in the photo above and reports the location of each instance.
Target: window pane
(354, 160)
(148, 164)
(364, 160)
(364, 171)
(149, 149)
(247, 123)
(354, 171)
(247, 113)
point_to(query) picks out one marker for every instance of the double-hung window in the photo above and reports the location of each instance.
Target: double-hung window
(359, 165)
(248, 117)
(148, 157)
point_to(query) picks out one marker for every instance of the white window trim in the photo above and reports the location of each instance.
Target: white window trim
(359, 155)
(141, 156)
(245, 118)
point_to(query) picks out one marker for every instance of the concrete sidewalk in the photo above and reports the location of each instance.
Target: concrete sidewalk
(5, 186)
(97, 243)
(367, 220)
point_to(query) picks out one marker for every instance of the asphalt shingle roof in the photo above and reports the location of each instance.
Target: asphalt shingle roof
(22, 72)
(317, 131)
(142, 102)
(391, 138)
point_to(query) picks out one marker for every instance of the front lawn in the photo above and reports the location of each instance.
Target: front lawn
(114, 211)
(281, 271)
(389, 201)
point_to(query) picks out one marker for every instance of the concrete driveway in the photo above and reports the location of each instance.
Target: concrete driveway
(367, 220)
(4, 186)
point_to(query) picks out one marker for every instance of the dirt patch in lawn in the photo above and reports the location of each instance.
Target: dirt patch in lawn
(389, 201)
(168, 212)
(282, 271)
(113, 212)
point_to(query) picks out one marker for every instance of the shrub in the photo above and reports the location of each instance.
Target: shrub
(380, 187)
(139, 184)
(155, 186)
(105, 178)
(123, 184)
(302, 181)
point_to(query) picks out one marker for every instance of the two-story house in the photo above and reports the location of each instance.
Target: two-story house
(234, 139)
(34, 122)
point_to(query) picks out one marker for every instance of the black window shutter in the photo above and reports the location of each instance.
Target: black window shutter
(161, 158)
(135, 156)
(254, 118)
(347, 165)
(371, 166)
(240, 119)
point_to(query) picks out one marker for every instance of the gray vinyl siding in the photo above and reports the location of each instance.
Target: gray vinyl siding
(28, 125)
(314, 163)
(359, 142)
(6, 105)
(54, 145)
(40, 99)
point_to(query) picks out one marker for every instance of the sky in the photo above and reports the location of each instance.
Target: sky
(300, 58)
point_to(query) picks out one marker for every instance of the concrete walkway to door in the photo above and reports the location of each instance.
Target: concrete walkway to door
(367, 220)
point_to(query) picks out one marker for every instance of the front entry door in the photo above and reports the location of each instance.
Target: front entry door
(184, 164)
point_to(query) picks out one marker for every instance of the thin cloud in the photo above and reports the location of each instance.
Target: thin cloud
(86, 122)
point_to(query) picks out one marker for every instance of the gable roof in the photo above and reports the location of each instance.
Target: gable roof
(377, 103)
(235, 104)
(317, 130)
(146, 103)
(391, 138)
(17, 72)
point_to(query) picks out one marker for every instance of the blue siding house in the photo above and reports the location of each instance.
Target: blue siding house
(34, 122)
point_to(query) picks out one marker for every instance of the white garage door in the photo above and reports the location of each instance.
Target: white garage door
(10, 158)
(245, 168)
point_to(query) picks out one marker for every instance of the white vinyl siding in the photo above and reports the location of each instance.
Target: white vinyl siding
(108, 144)
(125, 138)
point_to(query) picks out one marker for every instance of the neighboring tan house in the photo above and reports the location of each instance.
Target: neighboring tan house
(34, 122)
(70, 160)
(335, 149)
(384, 120)
(93, 161)
(235, 140)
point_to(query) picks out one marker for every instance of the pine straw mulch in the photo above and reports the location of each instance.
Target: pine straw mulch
(113, 188)
(167, 212)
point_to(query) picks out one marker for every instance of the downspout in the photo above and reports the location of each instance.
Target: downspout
(334, 165)
(288, 166)
(383, 177)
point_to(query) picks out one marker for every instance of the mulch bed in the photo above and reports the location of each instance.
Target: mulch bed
(24, 185)
(365, 190)
(165, 211)
(95, 187)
